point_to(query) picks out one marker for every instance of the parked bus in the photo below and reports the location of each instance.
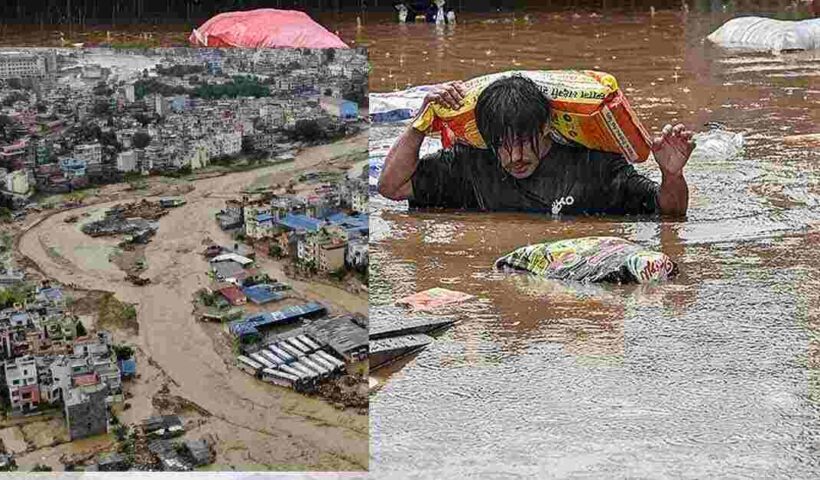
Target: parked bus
(330, 358)
(291, 350)
(278, 377)
(305, 369)
(321, 361)
(288, 358)
(248, 365)
(257, 357)
(273, 358)
(323, 371)
(293, 341)
(307, 341)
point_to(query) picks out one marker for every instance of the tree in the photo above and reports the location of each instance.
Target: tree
(102, 107)
(328, 92)
(102, 89)
(329, 55)
(10, 129)
(123, 352)
(81, 331)
(143, 119)
(13, 98)
(41, 468)
(308, 130)
(247, 145)
(141, 140)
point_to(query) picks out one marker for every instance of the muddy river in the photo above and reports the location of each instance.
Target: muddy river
(716, 373)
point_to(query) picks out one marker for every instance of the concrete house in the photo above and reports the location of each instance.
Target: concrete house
(22, 383)
(86, 412)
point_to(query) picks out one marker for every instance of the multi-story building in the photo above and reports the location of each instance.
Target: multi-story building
(127, 161)
(325, 248)
(86, 412)
(90, 152)
(359, 200)
(258, 221)
(130, 93)
(357, 254)
(22, 383)
(262, 141)
(198, 156)
(72, 167)
(18, 182)
(161, 106)
(22, 65)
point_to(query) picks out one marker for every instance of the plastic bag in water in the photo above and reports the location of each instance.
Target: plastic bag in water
(758, 33)
(591, 259)
(717, 145)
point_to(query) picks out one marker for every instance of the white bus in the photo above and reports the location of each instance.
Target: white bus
(248, 365)
(291, 350)
(324, 372)
(273, 358)
(278, 377)
(330, 358)
(307, 341)
(321, 361)
(257, 357)
(293, 341)
(281, 353)
(305, 369)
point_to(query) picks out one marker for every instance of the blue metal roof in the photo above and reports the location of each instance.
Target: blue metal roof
(300, 222)
(128, 367)
(250, 324)
(240, 328)
(260, 294)
(336, 217)
(264, 217)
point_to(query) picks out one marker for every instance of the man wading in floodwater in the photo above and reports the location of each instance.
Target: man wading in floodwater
(525, 169)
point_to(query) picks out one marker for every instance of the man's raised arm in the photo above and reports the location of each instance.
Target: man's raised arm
(395, 181)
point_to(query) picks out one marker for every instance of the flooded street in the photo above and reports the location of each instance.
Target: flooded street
(715, 374)
(259, 426)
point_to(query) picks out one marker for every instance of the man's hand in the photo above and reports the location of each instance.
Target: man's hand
(672, 149)
(450, 95)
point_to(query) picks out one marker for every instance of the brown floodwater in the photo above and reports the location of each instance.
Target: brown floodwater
(714, 374)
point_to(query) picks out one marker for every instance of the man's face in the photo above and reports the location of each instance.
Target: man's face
(521, 156)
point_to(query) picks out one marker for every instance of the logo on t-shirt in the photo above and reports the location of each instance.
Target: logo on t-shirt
(559, 204)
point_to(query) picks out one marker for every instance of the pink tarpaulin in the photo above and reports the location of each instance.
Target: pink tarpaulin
(264, 28)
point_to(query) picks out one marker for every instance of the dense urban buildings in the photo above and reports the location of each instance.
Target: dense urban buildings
(72, 118)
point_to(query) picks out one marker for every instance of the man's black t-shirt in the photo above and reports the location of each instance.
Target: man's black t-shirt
(570, 179)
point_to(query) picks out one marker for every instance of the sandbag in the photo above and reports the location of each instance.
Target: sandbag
(264, 28)
(587, 106)
(758, 33)
(591, 259)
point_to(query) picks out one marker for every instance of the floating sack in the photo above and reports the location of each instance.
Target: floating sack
(591, 259)
(432, 299)
(758, 33)
(264, 28)
(587, 108)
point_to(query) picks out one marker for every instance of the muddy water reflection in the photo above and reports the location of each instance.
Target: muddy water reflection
(714, 374)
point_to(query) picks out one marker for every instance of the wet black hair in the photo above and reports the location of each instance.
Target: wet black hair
(511, 108)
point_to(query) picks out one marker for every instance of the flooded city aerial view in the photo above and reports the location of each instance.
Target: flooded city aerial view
(711, 374)
(184, 259)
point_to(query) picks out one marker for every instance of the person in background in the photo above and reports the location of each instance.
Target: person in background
(526, 168)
